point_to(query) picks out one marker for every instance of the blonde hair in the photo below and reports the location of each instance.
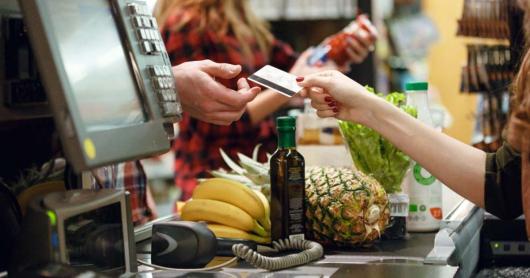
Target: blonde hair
(521, 90)
(521, 98)
(222, 16)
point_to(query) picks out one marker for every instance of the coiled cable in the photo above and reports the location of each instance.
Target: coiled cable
(310, 251)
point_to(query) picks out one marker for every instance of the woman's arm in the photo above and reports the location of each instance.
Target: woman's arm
(459, 166)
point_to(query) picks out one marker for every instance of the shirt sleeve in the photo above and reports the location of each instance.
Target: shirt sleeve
(503, 183)
(282, 55)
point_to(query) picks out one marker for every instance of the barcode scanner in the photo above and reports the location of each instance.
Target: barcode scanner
(187, 246)
(182, 244)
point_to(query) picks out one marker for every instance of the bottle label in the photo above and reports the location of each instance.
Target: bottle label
(422, 176)
(422, 213)
(296, 190)
(399, 204)
(436, 213)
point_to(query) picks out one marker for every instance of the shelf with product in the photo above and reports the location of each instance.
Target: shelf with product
(410, 33)
(492, 34)
(304, 9)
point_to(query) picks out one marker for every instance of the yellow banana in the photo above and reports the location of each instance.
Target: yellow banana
(231, 192)
(266, 220)
(222, 213)
(223, 231)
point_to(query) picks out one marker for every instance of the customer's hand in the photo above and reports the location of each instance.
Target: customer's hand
(358, 45)
(302, 68)
(335, 95)
(362, 41)
(208, 100)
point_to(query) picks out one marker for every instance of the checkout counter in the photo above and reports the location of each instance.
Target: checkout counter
(74, 69)
(452, 252)
(469, 241)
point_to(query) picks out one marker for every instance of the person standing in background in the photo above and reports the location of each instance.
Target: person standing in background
(228, 31)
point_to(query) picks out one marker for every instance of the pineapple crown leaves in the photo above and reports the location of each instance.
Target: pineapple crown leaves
(249, 171)
(234, 166)
(255, 152)
(223, 174)
(252, 165)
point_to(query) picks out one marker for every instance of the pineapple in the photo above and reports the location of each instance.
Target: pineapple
(343, 206)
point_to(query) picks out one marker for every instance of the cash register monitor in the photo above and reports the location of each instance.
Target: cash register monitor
(107, 77)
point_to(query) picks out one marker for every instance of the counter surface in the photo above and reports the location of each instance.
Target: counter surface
(387, 258)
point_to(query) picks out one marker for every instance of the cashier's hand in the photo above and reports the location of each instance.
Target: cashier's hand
(333, 94)
(208, 100)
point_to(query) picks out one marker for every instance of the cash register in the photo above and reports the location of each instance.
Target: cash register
(107, 76)
(96, 73)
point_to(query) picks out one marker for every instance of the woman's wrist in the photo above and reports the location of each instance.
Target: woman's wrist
(370, 111)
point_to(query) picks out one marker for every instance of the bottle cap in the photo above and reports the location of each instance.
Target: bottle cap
(417, 86)
(285, 123)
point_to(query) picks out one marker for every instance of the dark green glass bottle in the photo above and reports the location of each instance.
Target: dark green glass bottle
(287, 168)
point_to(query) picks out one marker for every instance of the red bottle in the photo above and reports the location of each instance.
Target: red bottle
(335, 47)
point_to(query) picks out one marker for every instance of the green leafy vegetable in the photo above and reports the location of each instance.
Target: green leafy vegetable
(373, 154)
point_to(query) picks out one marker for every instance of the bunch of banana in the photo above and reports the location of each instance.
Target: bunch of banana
(231, 209)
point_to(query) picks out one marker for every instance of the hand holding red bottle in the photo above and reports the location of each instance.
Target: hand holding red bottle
(353, 44)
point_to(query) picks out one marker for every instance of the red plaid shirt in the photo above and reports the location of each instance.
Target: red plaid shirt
(128, 176)
(197, 146)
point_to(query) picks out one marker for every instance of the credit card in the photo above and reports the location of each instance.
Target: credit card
(276, 80)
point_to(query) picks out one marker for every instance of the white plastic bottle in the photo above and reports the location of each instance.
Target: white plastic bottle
(425, 191)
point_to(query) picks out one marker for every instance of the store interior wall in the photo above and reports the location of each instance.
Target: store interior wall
(445, 60)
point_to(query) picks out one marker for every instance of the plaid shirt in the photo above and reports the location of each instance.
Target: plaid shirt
(197, 146)
(129, 176)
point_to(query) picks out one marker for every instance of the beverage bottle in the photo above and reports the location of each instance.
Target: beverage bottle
(425, 191)
(335, 47)
(287, 169)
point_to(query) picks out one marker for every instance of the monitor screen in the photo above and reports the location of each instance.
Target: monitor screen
(96, 64)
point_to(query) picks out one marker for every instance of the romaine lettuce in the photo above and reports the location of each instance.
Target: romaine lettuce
(373, 154)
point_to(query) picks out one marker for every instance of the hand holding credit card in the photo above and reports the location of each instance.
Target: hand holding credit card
(277, 80)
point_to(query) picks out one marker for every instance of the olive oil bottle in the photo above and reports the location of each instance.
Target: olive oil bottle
(287, 184)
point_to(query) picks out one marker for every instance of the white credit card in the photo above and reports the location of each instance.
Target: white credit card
(276, 80)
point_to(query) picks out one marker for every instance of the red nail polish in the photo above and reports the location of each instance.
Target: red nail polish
(328, 99)
(299, 79)
(336, 110)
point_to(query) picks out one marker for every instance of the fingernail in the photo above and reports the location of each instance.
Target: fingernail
(328, 99)
(299, 79)
(336, 110)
